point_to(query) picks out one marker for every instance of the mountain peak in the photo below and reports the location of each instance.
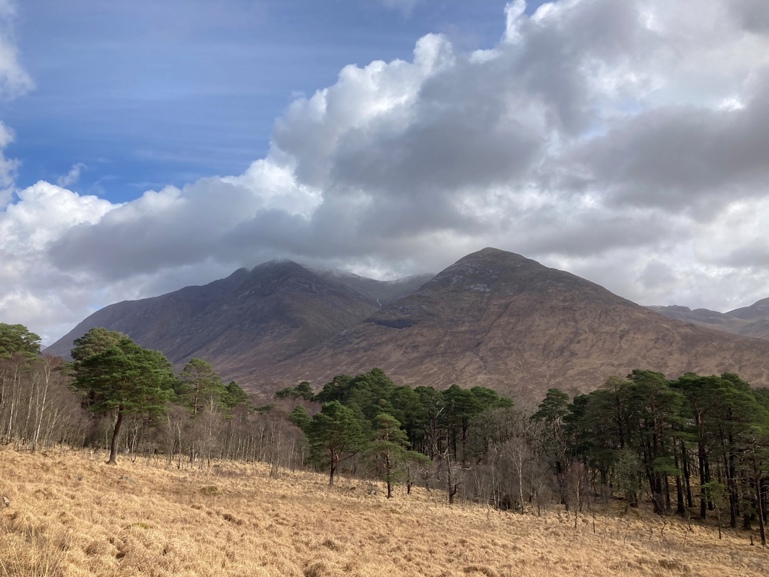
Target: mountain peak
(506, 274)
(277, 263)
(491, 253)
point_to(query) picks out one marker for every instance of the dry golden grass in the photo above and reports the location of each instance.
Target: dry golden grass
(71, 515)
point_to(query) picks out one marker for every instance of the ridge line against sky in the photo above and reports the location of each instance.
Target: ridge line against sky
(149, 146)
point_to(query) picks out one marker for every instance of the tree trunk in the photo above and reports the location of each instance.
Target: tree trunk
(12, 412)
(734, 497)
(680, 508)
(40, 405)
(687, 474)
(759, 505)
(704, 477)
(115, 438)
(334, 463)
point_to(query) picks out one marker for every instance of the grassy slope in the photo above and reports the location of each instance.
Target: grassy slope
(71, 515)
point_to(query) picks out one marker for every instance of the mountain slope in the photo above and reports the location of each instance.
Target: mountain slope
(500, 320)
(757, 311)
(240, 324)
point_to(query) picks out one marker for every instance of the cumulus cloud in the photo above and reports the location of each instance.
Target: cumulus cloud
(623, 141)
(35, 292)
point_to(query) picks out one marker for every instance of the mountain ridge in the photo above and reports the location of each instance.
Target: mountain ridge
(279, 306)
(501, 320)
(493, 318)
(750, 321)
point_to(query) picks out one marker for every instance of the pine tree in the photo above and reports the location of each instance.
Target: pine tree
(334, 435)
(118, 377)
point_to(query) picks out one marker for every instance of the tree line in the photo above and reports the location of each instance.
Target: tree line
(692, 441)
(37, 408)
(692, 444)
(127, 399)
(400, 432)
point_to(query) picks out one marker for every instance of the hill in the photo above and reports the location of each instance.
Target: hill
(752, 321)
(71, 515)
(247, 321)
(500, 320)
(494, 319)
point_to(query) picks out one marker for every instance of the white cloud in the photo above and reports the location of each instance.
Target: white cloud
(73, 176)
(624, 141)
(36, 293)
(14, 80)
(514, 12)
(8, 167)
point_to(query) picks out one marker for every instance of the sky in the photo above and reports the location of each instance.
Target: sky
(147, 146)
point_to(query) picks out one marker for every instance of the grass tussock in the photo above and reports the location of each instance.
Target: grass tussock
(70, 515)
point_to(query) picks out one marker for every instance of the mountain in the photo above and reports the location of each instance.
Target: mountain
(247, 321)
(704, 317)
(756, 311)
(752, 321)
(500, 320)
(493, 318)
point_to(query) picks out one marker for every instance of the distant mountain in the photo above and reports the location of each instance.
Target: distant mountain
(498, 319)
(752, 321)
(756, 311)
(704, 317)
(247, 321)
(493, 318)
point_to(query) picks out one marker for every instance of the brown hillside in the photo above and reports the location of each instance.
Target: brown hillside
(500, 320)
(246, 321)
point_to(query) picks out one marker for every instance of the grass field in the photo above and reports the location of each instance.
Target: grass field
(71, 515)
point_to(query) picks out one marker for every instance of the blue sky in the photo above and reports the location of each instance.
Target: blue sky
(148, 93)
(146, 146)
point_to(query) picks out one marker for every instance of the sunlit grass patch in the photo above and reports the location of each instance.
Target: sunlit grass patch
(70, 515)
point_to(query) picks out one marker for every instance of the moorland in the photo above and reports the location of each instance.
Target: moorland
(71, 515)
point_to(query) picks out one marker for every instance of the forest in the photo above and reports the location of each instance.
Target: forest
(695, 446)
